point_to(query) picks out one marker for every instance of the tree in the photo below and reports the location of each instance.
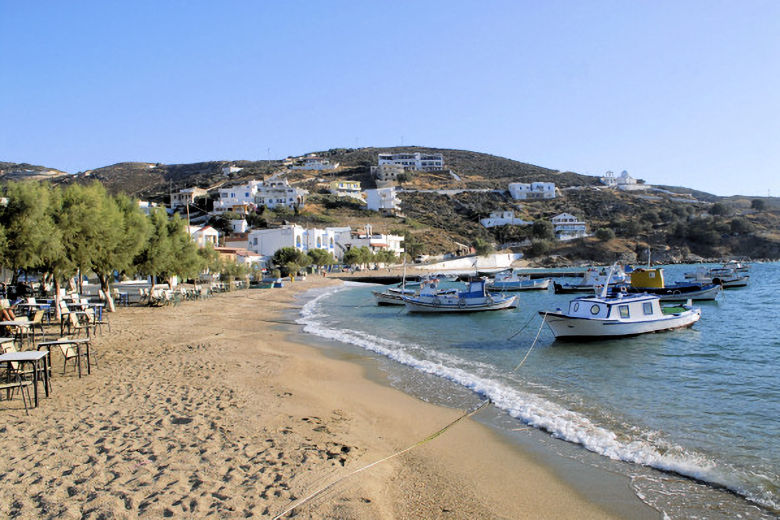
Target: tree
(358, 256)
(290, 260)
(543, 229)
(719, 209)
(605, 234)
(321, 257)
(741, 225)
(31, 236)
(482, 247)
(540, 247)
(122, 230)
(385, 257)
(412, 245)
(758, 204)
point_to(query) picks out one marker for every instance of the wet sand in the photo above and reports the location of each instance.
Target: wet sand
(208, 409)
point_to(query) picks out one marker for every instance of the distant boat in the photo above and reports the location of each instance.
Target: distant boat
(593, 278)
(514, 281)
(725, 276)
(474, 299)
(592, 317)
(393, 295)
(651, 281)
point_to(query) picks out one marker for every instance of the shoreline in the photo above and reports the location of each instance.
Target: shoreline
(210, 408)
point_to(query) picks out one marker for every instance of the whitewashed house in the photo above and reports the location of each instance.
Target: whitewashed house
(386, 173)
(266, 242)
(609, 179)
(204, 236)
(313, 162)
(503, 218)
(534, 190)
(239, 198)
(568, 227)
(186, 196)
(278, 192)
(239, 225)
(626, 182)
(383, 200)
(413, 161)
(346, 189)
(227, 170)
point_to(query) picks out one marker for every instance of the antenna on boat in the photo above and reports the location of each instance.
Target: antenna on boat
(605, 289)
(648, 258)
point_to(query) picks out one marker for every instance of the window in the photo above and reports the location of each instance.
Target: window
(624, 311)
(647, 308)
(595, 309)
(576, 307)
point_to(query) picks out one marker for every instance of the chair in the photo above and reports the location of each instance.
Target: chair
(37, 323)
(75, 324)
(17, 370)
(70, 351)
(22, 385)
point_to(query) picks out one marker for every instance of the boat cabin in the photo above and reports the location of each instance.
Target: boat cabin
(639, 307)
(647, 278)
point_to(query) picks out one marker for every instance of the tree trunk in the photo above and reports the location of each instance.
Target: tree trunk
(107, 292)
(57, 299)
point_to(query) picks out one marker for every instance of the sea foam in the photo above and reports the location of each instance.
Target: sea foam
(649, 449)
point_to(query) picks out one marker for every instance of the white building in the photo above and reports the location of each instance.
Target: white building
(186, 196)
(266, 242)
(503, 218)
(383, 200)
(413, 161)
(239, 225)
(239, 198)
(609, 179)
(568, 227)
(386, 173)
(227, 170)
(534, 190)
(626, 182)
(346, 189)
(278, 192)
(145, 206)
(335, 240)
(204, 236)
(313, 162)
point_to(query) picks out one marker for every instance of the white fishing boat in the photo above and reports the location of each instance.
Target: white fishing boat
(724, 276)
(393, 295)
(592, 279)
(474, 299)
(514, 281)
(651, 281)
(624, 315)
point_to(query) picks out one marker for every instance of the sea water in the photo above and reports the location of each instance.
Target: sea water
(691, 416)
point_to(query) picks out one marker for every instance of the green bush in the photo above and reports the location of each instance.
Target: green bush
(604, 234)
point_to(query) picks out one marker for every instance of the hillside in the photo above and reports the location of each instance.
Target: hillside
(676, 222)
(23, 171)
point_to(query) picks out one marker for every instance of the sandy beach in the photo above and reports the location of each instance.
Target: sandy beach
(208, 409)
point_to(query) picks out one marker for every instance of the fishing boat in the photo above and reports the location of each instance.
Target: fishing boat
(593, 278)
(474, 299)
(593, 317)
(393, 295)
(514, 281)
(724, 276)
(651, 281)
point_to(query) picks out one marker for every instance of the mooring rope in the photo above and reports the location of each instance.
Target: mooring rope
(417, 444)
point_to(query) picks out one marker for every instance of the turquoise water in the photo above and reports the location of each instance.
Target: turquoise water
(701, 403)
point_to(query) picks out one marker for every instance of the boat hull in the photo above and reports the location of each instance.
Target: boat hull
(681, 294)
(566, 327)
(525, 285)
(424, 305)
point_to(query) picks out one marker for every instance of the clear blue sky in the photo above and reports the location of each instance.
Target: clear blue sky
(676, 92)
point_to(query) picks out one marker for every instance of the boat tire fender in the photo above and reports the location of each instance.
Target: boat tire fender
(461, 303)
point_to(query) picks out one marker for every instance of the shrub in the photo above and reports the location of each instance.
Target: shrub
(539, 247)
(604, 234)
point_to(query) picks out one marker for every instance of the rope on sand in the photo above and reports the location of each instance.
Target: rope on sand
(429, 438)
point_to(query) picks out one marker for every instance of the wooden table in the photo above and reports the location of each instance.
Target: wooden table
(76, 342)
(33, 357)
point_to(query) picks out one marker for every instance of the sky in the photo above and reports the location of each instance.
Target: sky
(683, 93)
